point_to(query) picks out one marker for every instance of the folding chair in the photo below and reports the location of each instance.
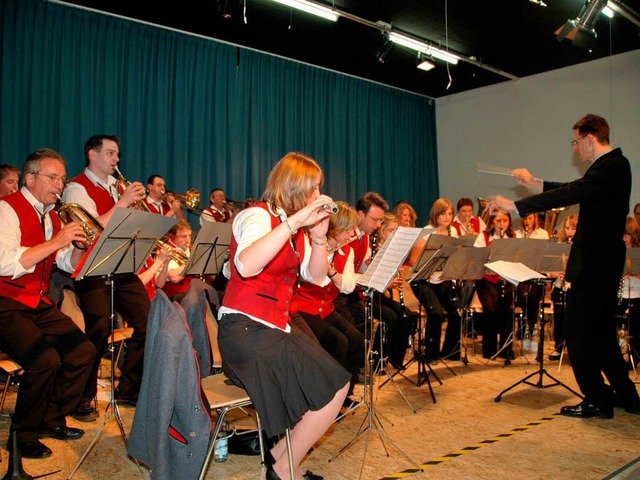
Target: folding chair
(12, 370)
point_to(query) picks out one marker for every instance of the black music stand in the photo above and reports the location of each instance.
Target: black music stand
(210, 250)
(465, 264)
(378, 276)
(123, 247)
(546, 259)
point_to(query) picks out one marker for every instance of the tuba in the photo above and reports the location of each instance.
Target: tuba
(72, 212)
(550, 220)
(121, 184)
(191, 199)
(483, 213)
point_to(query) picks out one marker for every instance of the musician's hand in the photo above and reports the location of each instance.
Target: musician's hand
(163, 253)
(524, 177)
(314, 217)
(397, 283)
(133, 193)
(498, 202)
(71, 232)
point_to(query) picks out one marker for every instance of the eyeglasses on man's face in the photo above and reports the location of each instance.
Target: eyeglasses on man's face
(375, 219)
(575, 142)
(54, 179)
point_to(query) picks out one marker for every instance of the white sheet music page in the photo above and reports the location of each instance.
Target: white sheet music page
(389, 259)
(513, 272)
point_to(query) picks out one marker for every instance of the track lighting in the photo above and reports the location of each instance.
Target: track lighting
(424, 64)
(311, 7)
(423, 47)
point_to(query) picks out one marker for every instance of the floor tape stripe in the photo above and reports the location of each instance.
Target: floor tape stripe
(472, 448)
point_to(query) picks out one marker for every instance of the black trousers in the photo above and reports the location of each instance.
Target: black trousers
(56, 358)
(132, 302)
(497, 315)
(591, 334)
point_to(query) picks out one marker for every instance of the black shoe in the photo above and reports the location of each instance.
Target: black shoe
(630, 406)
(61, 433)
(271, 473)
(586, 410)
(130, 399)
(268, 458)
(309, 475)
(86, 411)
(35, 449)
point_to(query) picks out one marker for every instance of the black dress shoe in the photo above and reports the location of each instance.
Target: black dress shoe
(586, 410)
(271, 473)
(86, 411)
(309, 475)
(630, 406)
(268, 458)
(35, 449)
(129, 399)
(61, 433)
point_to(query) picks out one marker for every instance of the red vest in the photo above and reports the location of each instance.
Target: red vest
(171, 288)
(217, 216)
(268, 295)
(153, 209)
(104, 200)
(492, 277)
(31, 288)
(317, 300)
(360, 247)
(475, 222)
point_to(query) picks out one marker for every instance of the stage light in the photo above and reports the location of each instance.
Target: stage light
(311, 7)
(424, 64)
(423, 48)
(385, 49)
(581, 30)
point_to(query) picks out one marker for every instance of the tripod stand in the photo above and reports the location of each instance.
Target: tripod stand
(541, 372)
(121, 249)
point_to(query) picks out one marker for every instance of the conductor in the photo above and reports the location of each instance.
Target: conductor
(594, 266)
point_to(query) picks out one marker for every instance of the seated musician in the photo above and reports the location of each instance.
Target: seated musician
(153, 273)
(315, 303)
(159, 201)
(629, 297)
(405, 214)
(55, 355)
(9, 176)
(495, 294)
(219, 210)
(177, 285)
(465, 222)
(438, 295)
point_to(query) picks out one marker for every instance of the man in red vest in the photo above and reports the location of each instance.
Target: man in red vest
(55, 355)
(159, 201)
(96, 190)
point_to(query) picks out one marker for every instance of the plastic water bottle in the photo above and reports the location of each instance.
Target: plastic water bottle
(526, 342)
(535, 338)
(221, 448)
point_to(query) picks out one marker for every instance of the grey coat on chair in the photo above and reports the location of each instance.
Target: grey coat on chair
(172, 425)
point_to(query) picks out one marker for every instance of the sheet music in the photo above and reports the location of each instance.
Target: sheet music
(387, 262)
(513, 272)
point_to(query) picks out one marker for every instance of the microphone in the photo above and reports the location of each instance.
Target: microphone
(330, 207)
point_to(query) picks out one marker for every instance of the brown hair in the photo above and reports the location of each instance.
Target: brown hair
(291, 181)
(594, 125)
(440, 206)
(633, 230)
(344, 220)
(400, 207)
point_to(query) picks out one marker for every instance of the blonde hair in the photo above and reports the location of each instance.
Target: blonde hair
(344, 220)
(291, 181)
(572, 220)
(400, 207)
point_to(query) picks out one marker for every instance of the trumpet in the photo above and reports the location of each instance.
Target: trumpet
(72, 212)
(175, 254)
(191, 199)
(121, 184)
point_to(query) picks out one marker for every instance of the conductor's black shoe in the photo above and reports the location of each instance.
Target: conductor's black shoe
(130, 399)
(86, 411)
(630, 406)
(309, 475)
(34, 450)
(61, 433)
(586, 410)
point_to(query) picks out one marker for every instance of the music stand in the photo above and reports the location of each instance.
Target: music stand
(378, 276)
(209, 251)
(122, 247)
(466, 264)
(547, 258)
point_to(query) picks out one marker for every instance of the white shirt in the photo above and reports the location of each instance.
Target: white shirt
(348, 283)
(435, 276)
(76, 193)
(538, 234)
(11, 237)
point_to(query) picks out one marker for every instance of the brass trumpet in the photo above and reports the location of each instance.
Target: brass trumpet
(175, 254)
(121, 184)
(191, 199)
(72, 212)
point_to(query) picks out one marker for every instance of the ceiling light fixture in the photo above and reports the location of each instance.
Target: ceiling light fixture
(423, 48)
(311, 7)
(424, 64)
(385, 49)
(581, 31)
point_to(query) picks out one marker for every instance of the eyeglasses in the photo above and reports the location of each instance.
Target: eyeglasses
(575, 142)
(53, 179)
(377, 220)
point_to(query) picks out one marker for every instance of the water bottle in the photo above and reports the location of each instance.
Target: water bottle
(535, 338)
(221, 448)
(526, 343)
(622, 337)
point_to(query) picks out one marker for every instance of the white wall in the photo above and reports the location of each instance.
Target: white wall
(527, 123)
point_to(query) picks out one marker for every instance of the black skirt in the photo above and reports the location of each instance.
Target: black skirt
(285, 374)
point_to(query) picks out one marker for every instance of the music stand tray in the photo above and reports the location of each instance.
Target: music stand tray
(123, 247)
(210, 250)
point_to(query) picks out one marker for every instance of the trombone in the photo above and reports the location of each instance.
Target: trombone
(191, 198)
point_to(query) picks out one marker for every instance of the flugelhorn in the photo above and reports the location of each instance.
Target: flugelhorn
(72, 212)
(121, 184)
(191, 199)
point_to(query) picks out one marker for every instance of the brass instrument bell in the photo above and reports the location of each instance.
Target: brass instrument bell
(73, 212)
